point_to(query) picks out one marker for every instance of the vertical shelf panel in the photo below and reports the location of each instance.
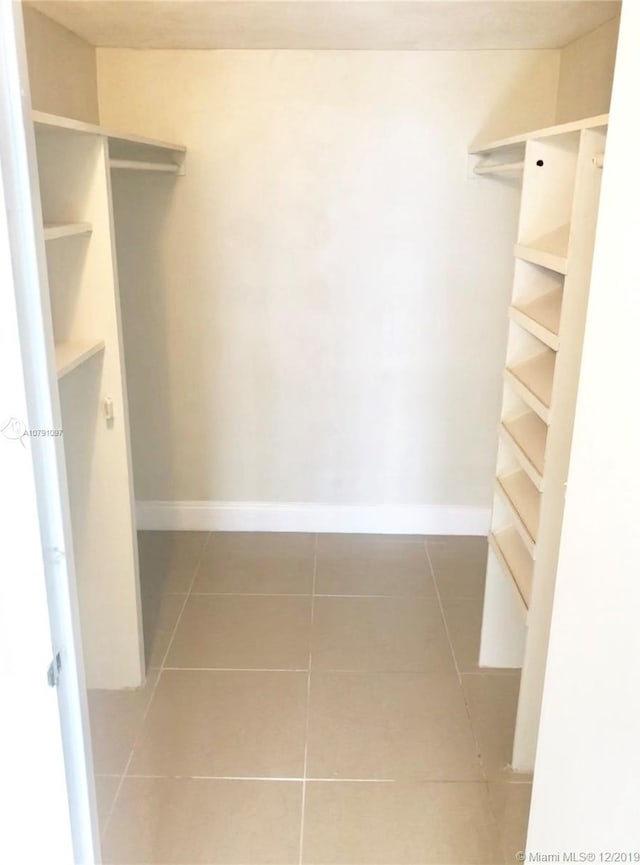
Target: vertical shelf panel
(76, 198)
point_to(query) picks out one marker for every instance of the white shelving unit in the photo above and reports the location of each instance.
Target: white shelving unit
(552, 270)
(74, 163)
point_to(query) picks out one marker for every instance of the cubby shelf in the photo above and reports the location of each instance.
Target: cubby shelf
(532, 380)
(514, 559)
(527, 434)
(548, 251)
(57, 230)
(540, 316)
(70, 355)
(523, 501)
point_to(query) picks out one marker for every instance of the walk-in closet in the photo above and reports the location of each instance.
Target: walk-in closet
(315, 284)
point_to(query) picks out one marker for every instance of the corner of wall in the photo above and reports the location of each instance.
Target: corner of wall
(62, 69)
(586, 73)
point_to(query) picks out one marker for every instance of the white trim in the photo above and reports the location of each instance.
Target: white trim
(311, 517)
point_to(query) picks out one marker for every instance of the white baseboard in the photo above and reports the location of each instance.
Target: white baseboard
(310, 517)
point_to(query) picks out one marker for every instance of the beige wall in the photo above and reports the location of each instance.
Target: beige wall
(586, 73)
(62, 69)
(317, 311)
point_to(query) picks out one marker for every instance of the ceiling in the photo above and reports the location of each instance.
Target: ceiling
(330, 24)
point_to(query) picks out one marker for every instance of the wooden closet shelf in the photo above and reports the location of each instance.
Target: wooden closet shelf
(550, 250)
(527, 434)
(45, 120)
(523, 501)
(540, 316)
(514, 559)
(56, 230)
(595, 122)
(532, 380)
(70, 355)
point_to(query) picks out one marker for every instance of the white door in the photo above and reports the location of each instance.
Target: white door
(46, 778)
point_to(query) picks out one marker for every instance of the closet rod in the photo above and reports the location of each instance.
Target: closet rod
(137, 165)
(499, 168)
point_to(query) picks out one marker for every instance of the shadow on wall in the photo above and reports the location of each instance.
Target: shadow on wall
(141, 206)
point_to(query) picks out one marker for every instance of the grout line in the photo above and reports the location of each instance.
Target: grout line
(103, 829)
(158, 672)
(184, 604)
(365, 671)
(236, 669)
(310, 594)
(306, 732)
(455, 660)
(444, 618)
(310, 779)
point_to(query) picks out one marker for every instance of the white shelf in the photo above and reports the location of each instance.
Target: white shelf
(594, 122)
(514, 559)
(56, 230)
(532, 380)
(527, 435)
(70, 355)
(549, 250)
(56, 121)
(123, 147)
(523, 500)
(540, 316)
(140, 165)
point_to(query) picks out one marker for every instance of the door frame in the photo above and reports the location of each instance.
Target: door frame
(36, 508)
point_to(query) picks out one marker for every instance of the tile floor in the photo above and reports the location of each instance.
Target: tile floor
(310, 699)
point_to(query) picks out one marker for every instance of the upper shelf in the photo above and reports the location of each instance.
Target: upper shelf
(122, 146)
(513, 141)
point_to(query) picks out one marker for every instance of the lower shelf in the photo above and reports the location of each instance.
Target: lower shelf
(514, 559)
(70, 355)
(528, 437)
(532, 380)
(523, 502)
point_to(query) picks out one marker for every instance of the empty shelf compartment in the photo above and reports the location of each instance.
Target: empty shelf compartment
(540, 316)
(550, 250)
(527, 434)
(523, 500)
(532, 379)
(515, 560)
